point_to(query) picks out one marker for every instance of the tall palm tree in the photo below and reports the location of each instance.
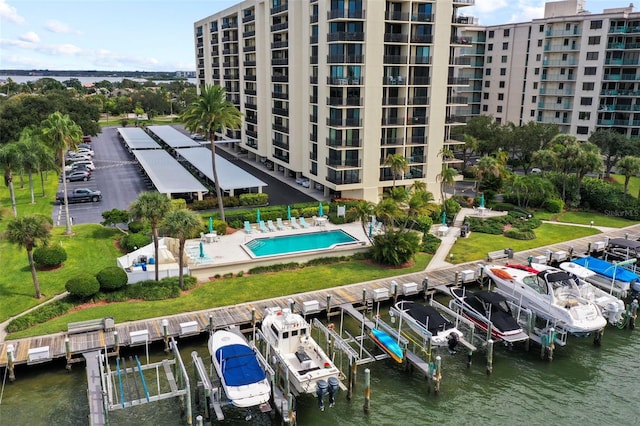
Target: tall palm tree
(398, 165)
(33, 155)
(589, 160)
(362, 212)
(487, 166)
(212, 112)
(628, 166)
(61, 134)
(10, 160)
(446, 177)
(29, 232)
(182, 224)
(152, 207)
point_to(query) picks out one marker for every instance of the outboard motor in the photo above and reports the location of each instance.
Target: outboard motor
(334, 386)
(321, 391)
(452, 342)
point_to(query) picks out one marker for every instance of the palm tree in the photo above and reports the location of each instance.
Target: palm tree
(446, 177)
(152, 207)
(61, 134)
(487, 166)
(211, 112)
(182, 224)
(398, 165)
(628, 166)
(589, 160)
(470, 146)
(362, 212)
(10, 158)
(29, 232)
(33, 155)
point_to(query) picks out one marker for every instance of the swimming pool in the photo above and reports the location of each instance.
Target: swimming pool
(297, 243)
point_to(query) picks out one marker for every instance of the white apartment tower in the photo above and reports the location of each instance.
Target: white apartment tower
(330, 88)
(577, 69)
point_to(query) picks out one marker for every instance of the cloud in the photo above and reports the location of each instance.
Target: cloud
(58, 27)
(497, 12)
(9, 13)
(30, 37)
(527, 10)
(483, 7)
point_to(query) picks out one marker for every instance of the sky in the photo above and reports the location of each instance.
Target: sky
(154, 35)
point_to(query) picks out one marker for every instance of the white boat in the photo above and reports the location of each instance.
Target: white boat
(428, 323)
(550, 294)
(612, 308)
(244, 381)
(311, 371)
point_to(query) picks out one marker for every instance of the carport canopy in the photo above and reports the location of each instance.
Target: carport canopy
(172, 137)
(137, 138)
(168, 176)
(231, 176)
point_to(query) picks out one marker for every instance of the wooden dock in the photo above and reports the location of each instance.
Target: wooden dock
(241, 314)
(94, 389)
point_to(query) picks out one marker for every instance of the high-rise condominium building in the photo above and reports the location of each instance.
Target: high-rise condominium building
(577, 69)
(330, 88)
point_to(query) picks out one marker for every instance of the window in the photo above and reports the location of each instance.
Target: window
(592, 56)
(541, 28)
(582, 130)
(596, 25)
(503, 59)
(534, 99)
(535, 85)
(505, 33)
(584, 115)
(559, 100)
(501, 85)
(536, 71)
(489, 59)
(503, 71)
(485, 96)
(487, 71)
(586, 101)
(490, 47)
(501, 96)
(485, 108)
(487, 84)
(588, 86)
(538, 56)
(499, 108)
(491, 34)
(590, 70)
(505, 45)
(594, 40)
(539, 43)
(532, 113)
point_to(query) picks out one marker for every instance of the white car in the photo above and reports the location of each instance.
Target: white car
(85, 151)
(88, 163)
(77, 157)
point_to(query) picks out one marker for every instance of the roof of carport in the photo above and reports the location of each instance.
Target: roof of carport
(168, 176)
(137, 138)
(172, 137)
(230, 175)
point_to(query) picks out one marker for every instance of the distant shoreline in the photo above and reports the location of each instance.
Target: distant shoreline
(156, 75)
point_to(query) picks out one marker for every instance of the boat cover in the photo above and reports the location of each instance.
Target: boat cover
(425, 314)
(605, 268)
(239, 365)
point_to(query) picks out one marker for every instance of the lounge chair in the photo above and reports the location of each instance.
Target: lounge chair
(262, 226)
(280, 225)
(247, 227)
(303, 222)
(294, 224)
(271, 226)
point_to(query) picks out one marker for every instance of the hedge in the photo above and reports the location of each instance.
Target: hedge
(49, 256)
(83, 286)
(112, 278)
(517, 234)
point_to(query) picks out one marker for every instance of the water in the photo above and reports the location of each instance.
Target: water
(584, 384)
(286, 244)
(20, 79)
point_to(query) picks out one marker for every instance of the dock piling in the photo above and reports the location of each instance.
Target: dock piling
(437, 374)
(199, 420)
(469, 354)
(165, 334)
(116, 343)
(67, 351)
(367, 391)
(633, 314)
(489, 356)
(328, 305)
(394, 286)
(10, 362)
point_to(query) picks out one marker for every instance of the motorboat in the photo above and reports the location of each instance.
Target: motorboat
(244, 381)
(428, 323)
(488, 308)
(551, 294)
(612, 308)
(621, 279)
(289, 337)
(387, 344)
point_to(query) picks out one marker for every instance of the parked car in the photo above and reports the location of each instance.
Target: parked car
(85, 151)
(79, 195)
(76, 164)
(84, 145)
(78, 157)
(86, 138)
(197, 137)
(78, 175)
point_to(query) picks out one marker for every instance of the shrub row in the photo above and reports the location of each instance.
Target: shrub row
(49, 256)
(518, 234)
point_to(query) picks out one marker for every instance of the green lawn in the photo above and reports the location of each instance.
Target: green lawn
(477, 245)
(585, 218)
(634, 184)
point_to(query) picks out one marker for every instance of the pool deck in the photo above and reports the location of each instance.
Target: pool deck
(228, 255)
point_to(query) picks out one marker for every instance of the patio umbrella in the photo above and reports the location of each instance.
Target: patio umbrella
(288, 212)
(444, 218)
(320, 210)
(258, 215)
(210, 224)
(201, 249)
(482, 200)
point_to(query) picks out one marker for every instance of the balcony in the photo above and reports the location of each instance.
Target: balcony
(344, 81)
(417, 159)
(561, 47)
(412, 121)
(280, 61)
(420, 60)
(464, 2)
(563, 33)
(232, 76)
(348, 101)
(458, 81)
(231, 24)
(463, 61)
(422, 39)
(422, 17)
(313, 79)
(557, 77)
(392, 141)
(465, 20)
(459, 100)
(345, 36)
(280, 111)
(248, 18)
(279, 78)
(393, 101)
(555, 105)
(248, 49)
(250, 77)
(249, 63)
(460, 40)
(393, 121)
(620, 61)
(552, 92)
(624, 30)
(251, 119)
(616, 92)
(426, 81)
(279, 9)
(337, 162)
(280, 44)
(250, 105)
(344, 122)
(345, 59)
(344, 179)
(280, 95)
(280, 128)
(419, 100)
(394, 80)
(396, 16)
(279, 27)
(394, 59)
(396, 38)
(454, 119)
(313, 19)
(350, 143)
(313, 118)
(559, 63)
(280, 144)
(620, 77)
(345, 14)
(248, 34)
(313, 39)
(251, 133)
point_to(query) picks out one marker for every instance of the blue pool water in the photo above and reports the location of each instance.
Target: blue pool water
(287, 244)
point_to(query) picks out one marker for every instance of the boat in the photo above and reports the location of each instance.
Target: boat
(612, 308)
(550, 294)
(428, 323)
(244, 381)
(387, 344)
(622, 279)
(486, 308)
(289, 337)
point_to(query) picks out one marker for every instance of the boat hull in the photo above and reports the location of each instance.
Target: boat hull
(387, 344)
